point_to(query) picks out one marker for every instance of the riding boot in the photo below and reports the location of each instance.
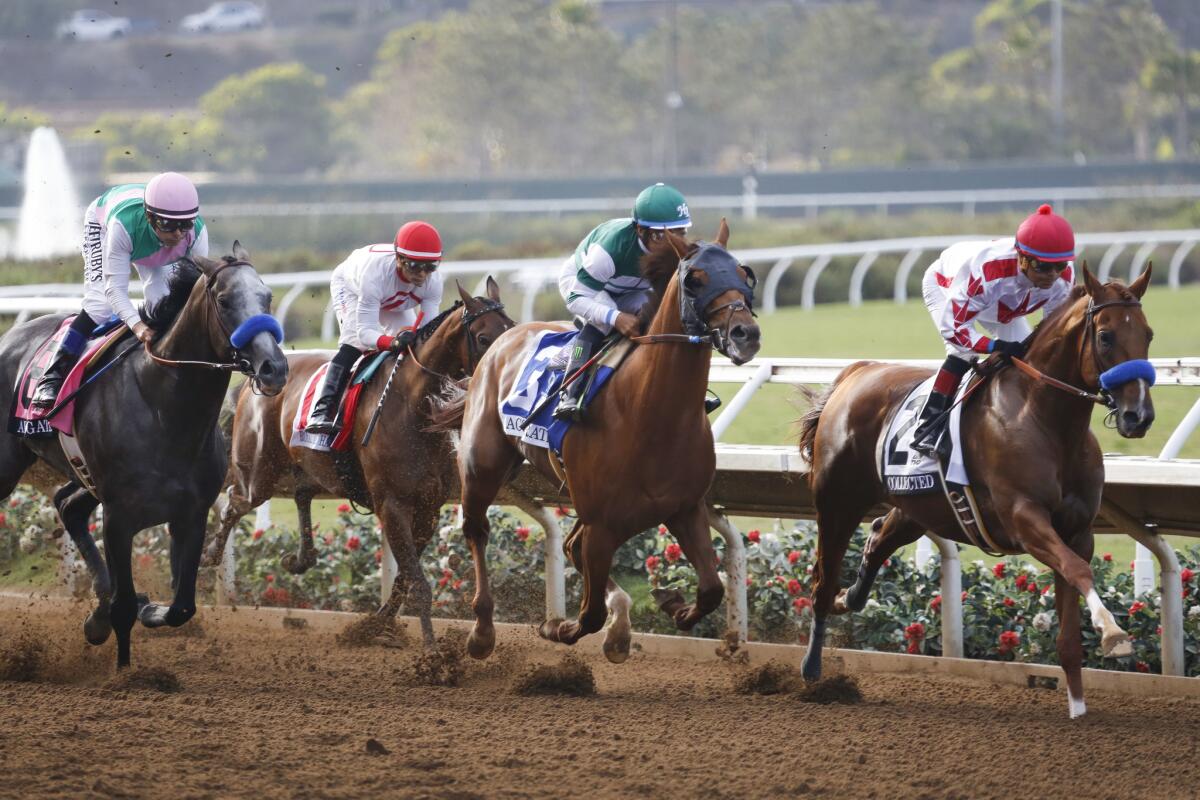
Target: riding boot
(324, 416)
(69, 350)
(933, 416)
(571, 398)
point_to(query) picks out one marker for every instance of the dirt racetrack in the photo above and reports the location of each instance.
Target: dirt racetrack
(289, 712)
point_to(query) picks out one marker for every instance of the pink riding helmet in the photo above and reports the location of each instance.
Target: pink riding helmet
(172, 196)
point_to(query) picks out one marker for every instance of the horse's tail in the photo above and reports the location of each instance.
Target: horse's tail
(446, 407)
(817, 400)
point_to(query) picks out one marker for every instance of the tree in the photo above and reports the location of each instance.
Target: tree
(273, 119)
(150, 143)
(1175, 78)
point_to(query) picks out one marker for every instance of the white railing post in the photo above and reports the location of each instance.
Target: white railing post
(771, 287)
(556, 581)
(859, 275)
(808, 292)
(1177, 259)
(749, 197)
(924, 552)
(737, 614)
(387, 570)
(900, 287)
(952, 626)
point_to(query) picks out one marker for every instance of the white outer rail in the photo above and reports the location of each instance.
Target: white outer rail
(533, 276)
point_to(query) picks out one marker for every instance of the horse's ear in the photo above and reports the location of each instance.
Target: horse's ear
(239, 252)
(466, 298)
(723, 233)
(206, 265)
(1142, 283)
(678, 244)
(1093, 286)
(493, 289)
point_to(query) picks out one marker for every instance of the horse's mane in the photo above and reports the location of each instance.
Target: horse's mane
(430, 327)
(658, 266)
(161, 313)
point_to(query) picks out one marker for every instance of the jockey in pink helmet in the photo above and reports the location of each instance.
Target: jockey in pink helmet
(996, 285)
(144, 227)
(377, 292)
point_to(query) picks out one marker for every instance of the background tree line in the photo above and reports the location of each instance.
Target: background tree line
(515, 87)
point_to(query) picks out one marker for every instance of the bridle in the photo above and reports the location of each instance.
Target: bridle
(236, 362)
(693, 313)
(474, 349)
(1101, 396)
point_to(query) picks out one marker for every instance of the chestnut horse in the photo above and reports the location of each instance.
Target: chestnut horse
(1034, 463)
(643, 456)
(407, 471)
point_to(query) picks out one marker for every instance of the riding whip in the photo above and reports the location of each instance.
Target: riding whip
(383, 396)
(62, 402)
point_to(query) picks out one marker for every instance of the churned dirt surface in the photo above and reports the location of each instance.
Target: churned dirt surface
(288, 712)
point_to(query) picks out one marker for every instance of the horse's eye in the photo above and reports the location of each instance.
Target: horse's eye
(484, 340)
(1107, 339)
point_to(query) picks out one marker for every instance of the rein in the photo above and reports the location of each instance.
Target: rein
(1101, 397)
(230, 366)
(473, 351)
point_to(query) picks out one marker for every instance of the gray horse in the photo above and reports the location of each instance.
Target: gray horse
(148, 430)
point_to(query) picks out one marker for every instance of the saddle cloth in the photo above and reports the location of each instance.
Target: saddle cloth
(904, 470)
(29, 422)
(540, 377)
(364, 369)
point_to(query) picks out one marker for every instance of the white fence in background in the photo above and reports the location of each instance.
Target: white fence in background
(533, 276)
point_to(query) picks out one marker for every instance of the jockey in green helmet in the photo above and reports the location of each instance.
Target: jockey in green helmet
(602, 282)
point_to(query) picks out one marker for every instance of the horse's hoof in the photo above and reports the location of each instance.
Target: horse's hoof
(686, 618)
(616, 645)
(142, 600)
(1116, 645)
(97, 628)
(297, 565)
(669, 600)
(810, 669)
(481, 644)
(152, 615)
(840, 604)
(548, 630)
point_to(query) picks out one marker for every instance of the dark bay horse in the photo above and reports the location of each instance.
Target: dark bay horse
(644, 455)
(1034, 463)
(407, 471)
(148, 430)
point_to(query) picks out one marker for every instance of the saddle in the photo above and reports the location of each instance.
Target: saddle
(33, 423)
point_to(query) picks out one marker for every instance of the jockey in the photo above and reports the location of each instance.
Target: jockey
(148, 226)
(375, 292)
(602, 282)
(996, 284)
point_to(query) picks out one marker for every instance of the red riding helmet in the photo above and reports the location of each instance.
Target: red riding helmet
(1046, 236)
(419, 241)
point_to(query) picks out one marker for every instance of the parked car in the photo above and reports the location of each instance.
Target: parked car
(229, 15)
(90, 25)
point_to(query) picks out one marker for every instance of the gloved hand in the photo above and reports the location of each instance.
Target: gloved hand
(401, 341)
(1010, 349)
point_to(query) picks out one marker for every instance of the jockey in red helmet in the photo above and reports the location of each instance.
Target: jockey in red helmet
(995, 284)
(144, 227)
(377, 292)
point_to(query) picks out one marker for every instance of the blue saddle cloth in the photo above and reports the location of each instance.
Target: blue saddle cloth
(539, 379)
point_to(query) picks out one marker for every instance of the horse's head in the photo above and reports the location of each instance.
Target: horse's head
(1119, 338)
(240, 304)
(716, 295)
(484, 320)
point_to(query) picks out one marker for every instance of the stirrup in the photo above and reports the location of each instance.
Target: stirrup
(45, 401)
(569, 409)
(323, 425)
(711, 404)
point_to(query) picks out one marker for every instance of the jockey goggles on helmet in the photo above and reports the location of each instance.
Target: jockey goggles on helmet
(1047, 267)
(170, 225)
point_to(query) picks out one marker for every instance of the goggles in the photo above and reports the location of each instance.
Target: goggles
(413, 265)
(1047, 267)
(171, 225)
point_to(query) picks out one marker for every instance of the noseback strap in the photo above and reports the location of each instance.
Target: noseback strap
(252, 327)
(1126, 371)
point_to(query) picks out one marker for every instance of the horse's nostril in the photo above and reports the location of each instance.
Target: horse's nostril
(267, 369)
(1130, 418)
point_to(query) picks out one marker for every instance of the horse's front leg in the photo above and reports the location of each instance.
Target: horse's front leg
(888, 534)
(690, 529)
(1032, 527)
(187, 547)
(597, 545)
(396, 517)
(118, 551)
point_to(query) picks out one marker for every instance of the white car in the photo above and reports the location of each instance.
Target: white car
(231, 15)
(90, 25)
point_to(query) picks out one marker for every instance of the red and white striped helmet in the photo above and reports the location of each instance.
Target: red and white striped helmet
(419, 241)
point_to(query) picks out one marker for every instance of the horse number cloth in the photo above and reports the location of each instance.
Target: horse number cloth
(904, 470)
(541, 375)
(364, 368)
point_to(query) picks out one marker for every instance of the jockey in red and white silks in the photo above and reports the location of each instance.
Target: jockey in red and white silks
(378, 293)
(996, 285)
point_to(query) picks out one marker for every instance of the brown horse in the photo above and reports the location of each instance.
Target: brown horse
(644, 455)
(1034, 463)
(406, 470)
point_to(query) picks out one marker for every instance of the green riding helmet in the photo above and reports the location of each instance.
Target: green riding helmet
(661, 206)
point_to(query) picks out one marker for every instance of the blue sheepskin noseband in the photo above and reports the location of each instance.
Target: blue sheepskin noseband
(256, 325)
(1126, 371)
